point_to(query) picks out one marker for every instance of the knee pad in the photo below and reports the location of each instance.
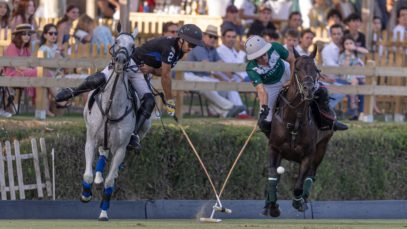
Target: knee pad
(147, 105)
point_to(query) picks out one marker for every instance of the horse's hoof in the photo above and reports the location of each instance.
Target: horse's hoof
(98, 178)
(103, 216)
(300, 205)
(85, 199)
(103, 219)
(274, 210)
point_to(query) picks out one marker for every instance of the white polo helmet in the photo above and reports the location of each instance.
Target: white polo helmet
(256, 46)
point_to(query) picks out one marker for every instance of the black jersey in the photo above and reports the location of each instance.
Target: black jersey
(158, 50)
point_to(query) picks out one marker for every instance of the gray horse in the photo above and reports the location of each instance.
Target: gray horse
(110, 120)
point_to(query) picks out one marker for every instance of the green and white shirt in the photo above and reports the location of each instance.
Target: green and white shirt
(272, 73)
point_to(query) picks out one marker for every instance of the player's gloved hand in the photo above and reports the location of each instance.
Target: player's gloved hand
(264, 112)
(170, 106)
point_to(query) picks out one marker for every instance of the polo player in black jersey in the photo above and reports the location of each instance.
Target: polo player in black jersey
(157, 57)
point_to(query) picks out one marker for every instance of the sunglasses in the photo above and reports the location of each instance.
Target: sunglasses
(53, 33)
(212, 37)
(26, 34)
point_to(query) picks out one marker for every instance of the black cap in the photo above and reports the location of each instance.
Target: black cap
(191, 33)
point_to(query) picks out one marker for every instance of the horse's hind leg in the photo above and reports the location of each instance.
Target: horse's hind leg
(109, 183)
(86, 195)
(272, 208)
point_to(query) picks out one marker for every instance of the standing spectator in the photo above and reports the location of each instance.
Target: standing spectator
(330, 57)
(317, 14)
(377, 35)
(20, 47)
(108, 8)
(24, 14)
(264, 21)
(232, 20)
(4, 15)
(170, 29)
(333, 17)
(270, 35)
(345, 7)
(307, 36)
(291, 39)
(247, 11)
(64, 26)
(347, 58)
(353, 22)
(294, 22)
(401, 28)
(218, 105)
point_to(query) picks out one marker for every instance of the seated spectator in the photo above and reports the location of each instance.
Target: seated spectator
(345, 7)
(109, 9)
(291, 39)
(330, 57)
(401, 27)
(247, 11)
(4, 15)
(229, 54)
(87, 32)
(307, 36)
(64, 27)
(232, 20)
(20, 47)
(264, 22)
(347, 58)
(270, 35)
(24, 14)
(170, 29)
(317, 13)
(353, 22)
(294, 22)
(333, 17)
(218, 105)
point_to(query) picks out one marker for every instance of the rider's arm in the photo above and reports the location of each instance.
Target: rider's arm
(261, 92)
(166, 80)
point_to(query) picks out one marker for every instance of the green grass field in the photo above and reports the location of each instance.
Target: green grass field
(181, 224)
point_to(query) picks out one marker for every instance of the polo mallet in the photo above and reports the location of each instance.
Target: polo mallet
(218, 206)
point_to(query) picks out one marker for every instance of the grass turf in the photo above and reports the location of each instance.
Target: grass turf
(181, 224)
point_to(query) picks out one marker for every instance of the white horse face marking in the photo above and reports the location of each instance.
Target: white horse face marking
(122, 51)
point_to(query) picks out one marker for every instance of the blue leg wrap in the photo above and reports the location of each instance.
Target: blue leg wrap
(100, 166)
(107, 193)
(87, 189)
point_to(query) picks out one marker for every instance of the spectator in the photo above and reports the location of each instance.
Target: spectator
(307, 36)
(270, 35)
(64, 26)
(317, 13)
(4, 15)
(294, 22)
(345, 7)
(247, 11)
(401, 27)
(48, 45)
(330, 57)
(353, 22)
(377, 35)
(20, 47)
(170, 29)
(264, 22)
(232, 20)
(347, 58)
(333, 17)
(109, 8)
(291, 39)
(229, 54)
(14, 4)
(218, 105)
(24, 14)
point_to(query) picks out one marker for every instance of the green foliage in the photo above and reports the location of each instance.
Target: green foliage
(366, 162)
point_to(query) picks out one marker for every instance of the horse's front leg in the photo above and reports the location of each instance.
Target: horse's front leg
(86, 195)
(272, 208)
(109, 182)
(299, 202)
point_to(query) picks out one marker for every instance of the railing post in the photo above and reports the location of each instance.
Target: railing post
(370, 99)
(179, 98)
(41, 94)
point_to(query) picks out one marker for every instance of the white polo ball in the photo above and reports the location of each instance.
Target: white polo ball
(280, 170)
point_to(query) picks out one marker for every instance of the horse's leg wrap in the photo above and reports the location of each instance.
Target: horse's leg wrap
(107, 194)
(307, 187)
(271, 195)
(100, 165)
(86, 189)
(90, 83)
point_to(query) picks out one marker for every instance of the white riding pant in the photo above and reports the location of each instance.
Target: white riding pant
(217, 104)
(139, 83)
(274, 89)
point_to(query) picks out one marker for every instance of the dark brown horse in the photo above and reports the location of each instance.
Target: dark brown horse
(295, 135)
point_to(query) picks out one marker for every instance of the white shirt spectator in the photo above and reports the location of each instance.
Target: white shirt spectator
(399, 29)
(301, 51)
(233, 56)
(248, 9)
(280, 9)
(330, 55)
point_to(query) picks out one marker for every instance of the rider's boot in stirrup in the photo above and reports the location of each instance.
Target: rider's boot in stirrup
(91, 82)
(327, 112)
(265, 127)
(143, 114)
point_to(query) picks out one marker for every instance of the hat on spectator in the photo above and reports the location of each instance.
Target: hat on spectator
(232, 9)
(264, 7)
(23, 28)
(211, 30)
